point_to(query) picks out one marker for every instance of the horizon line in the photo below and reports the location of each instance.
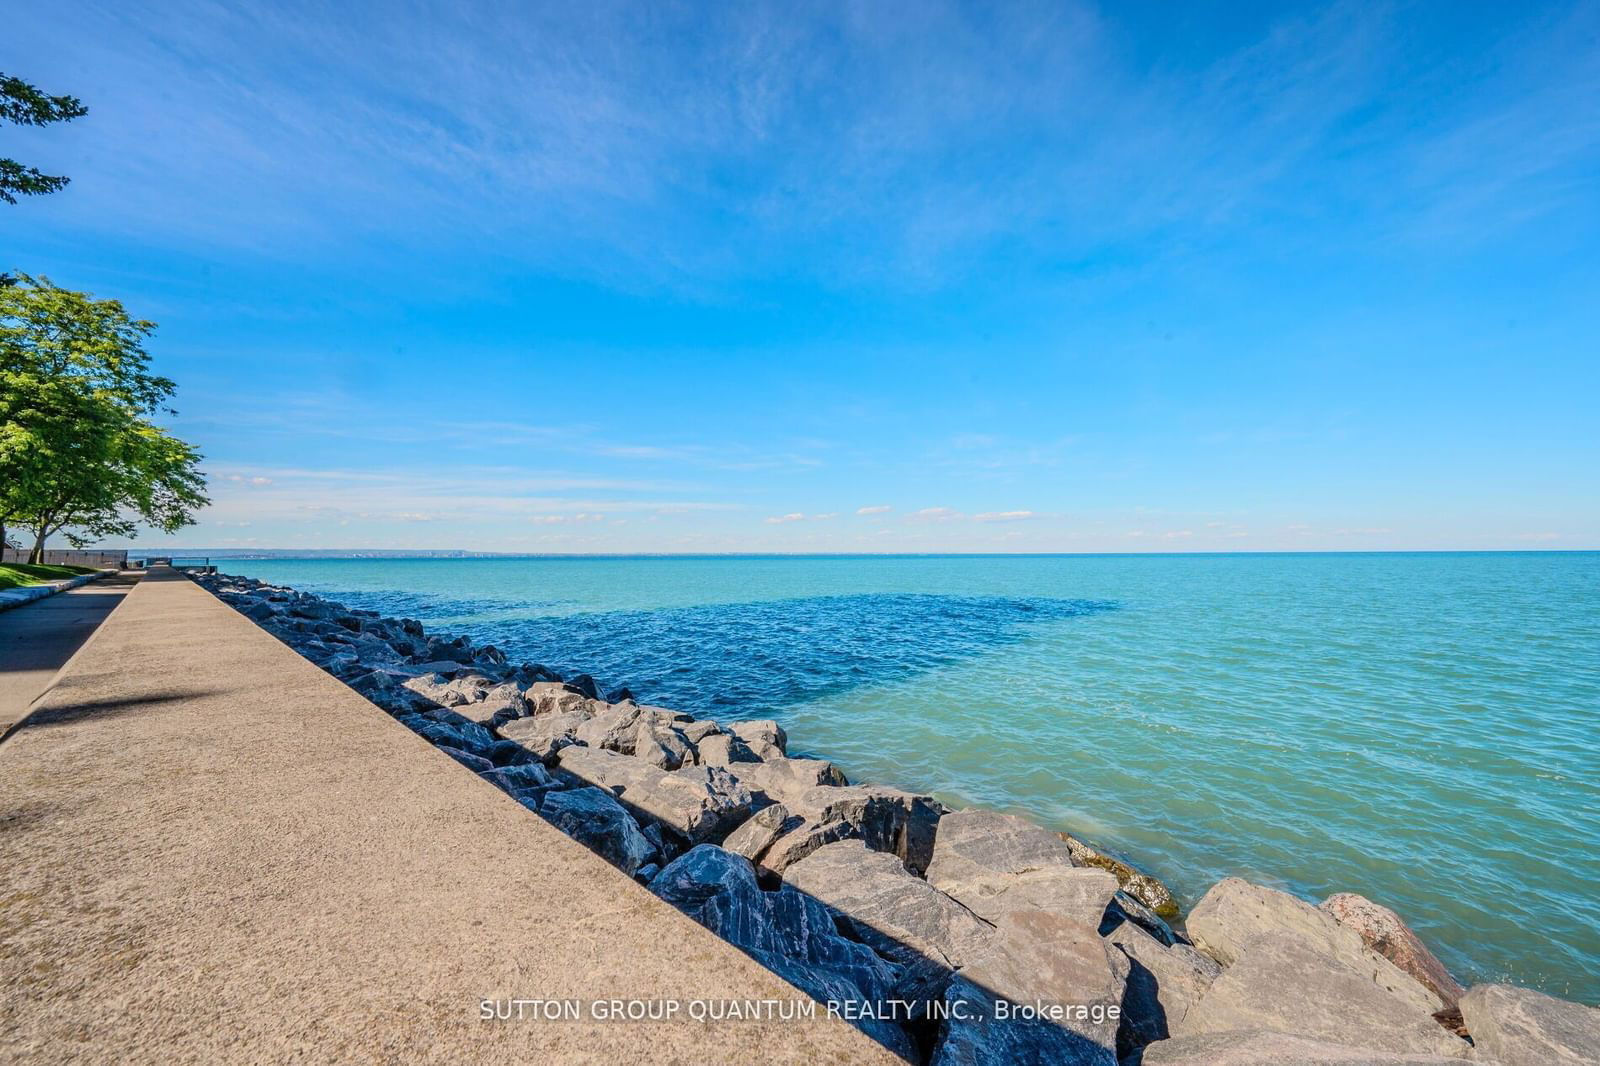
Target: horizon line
(464, 553)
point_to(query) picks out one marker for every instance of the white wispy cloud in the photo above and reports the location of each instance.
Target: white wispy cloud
(1003, 516)
(876, 509)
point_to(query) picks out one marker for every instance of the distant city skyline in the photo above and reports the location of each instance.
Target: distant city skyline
(1044, 278)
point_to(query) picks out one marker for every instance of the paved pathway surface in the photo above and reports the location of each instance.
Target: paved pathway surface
(213, 852)
(38, 638)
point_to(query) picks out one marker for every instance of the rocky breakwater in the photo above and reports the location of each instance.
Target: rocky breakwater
(952, 937)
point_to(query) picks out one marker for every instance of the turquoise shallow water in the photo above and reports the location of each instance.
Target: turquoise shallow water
(1420, 728)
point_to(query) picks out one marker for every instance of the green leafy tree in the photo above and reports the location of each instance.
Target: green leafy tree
(25, 105)
(80, 453)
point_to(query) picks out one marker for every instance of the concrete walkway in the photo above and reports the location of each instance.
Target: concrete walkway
(211, 851)
(38, 638)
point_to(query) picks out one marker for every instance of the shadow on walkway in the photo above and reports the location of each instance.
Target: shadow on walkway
(37, 639)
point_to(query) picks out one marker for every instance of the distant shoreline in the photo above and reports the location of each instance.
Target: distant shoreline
(451, 554)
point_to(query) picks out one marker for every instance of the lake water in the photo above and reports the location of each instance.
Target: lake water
(1419, 728)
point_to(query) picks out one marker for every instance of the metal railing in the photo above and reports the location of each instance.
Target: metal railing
(178, 562)
(67, 557)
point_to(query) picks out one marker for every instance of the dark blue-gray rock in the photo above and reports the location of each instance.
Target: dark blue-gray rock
(804, 929)
(584, 684)
(899, 915)
(532, 796)
(1521, 1027)
(475, 763)
(595, 819)
(719, 891)
(259, 611)
(512, 778)
(509, 753)
(447, 727)
(788, 933)
(619, 695)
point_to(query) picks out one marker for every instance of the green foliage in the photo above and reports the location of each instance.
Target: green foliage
(79, 453)
(25, 105)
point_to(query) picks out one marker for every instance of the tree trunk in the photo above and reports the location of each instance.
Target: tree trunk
(37, 558)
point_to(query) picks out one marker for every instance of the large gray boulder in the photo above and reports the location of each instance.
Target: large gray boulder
(1164, 982)
(785, 780)
(659, 743)
(552, 697)
(900, 823)
(758, 832)
(545, 735)
(437, 688)
(1036, 960)
(724, 749)
(993, 863)
(976, 842)
(1382, 930)
(763, 736)
(1235, 915)
(1521, 1027)
(596, 820)
(898, 914)
(696, 805)
(1262, 1047)
(611, 727)
(797, 839)
(498, 703)
(1079, 893)
(1282, 982)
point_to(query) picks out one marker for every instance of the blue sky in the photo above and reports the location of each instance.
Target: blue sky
(846, 277)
